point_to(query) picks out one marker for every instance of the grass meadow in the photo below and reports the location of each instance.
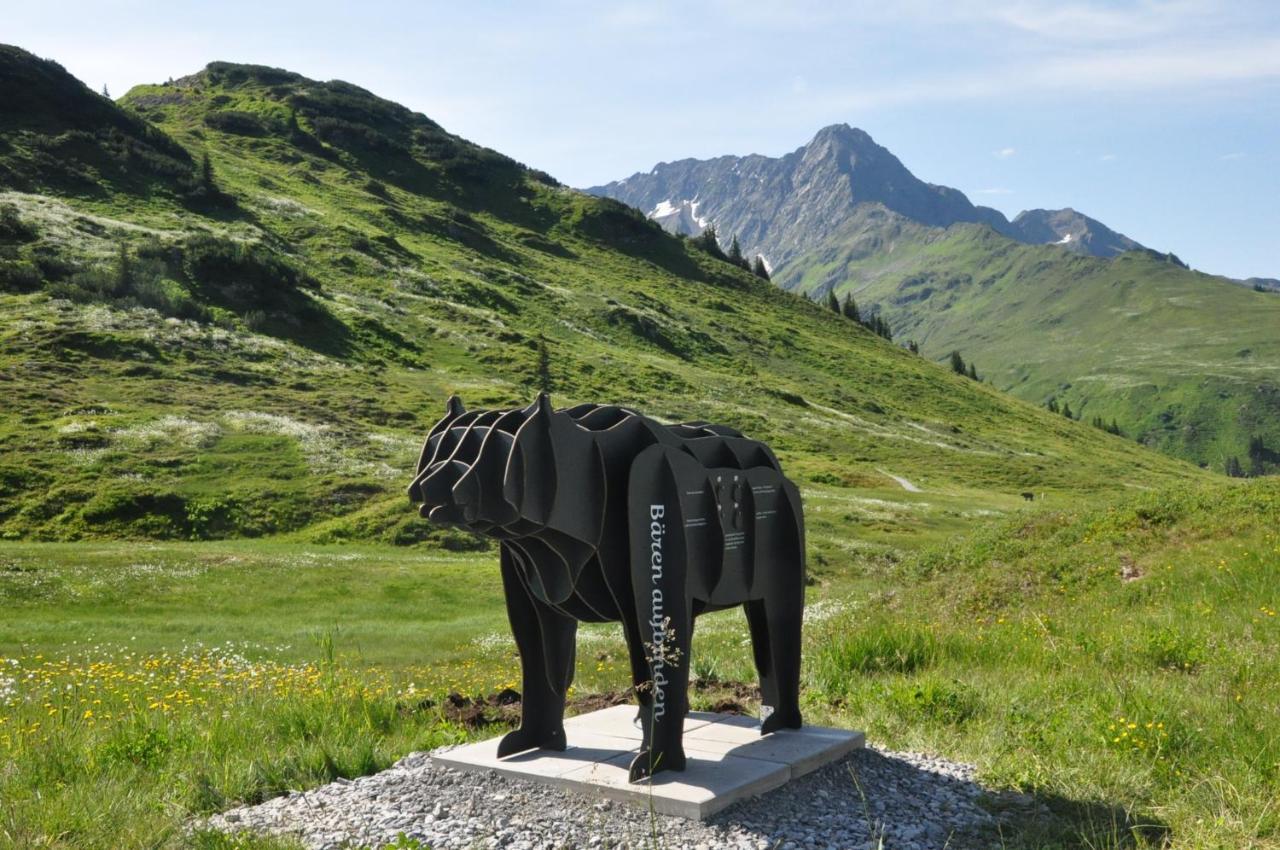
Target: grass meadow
(1112, 671)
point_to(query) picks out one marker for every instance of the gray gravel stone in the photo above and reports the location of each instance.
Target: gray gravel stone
(872, 798)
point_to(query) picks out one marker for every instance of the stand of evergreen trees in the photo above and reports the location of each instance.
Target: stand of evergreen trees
(958, 366)
(1259, 458)
(1110, 427)
(709, 241)
(849, 309)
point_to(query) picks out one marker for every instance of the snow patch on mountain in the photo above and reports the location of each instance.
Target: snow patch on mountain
(663, 209)
(679, 216)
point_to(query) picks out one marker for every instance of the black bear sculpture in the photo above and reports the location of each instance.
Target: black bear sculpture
(605, 515)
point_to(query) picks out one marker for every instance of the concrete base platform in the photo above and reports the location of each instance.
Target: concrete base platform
(728, 760)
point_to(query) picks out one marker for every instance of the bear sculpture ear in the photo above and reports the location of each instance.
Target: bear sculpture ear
(454, 407)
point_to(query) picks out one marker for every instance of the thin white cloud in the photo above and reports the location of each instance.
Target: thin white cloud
(995, 190)
(1232, 156)
(1005, 153)
(1108, 157)
(1092, 73)
(1095, 22)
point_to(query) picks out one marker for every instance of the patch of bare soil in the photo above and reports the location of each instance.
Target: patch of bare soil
(502, 708)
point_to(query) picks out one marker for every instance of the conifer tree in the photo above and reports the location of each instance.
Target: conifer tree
(543, 377)
(1257, 457)
(708, 241)
(850, 309)
(105, 93)
(1066, 410)
(957, 363)
(124, 270)
(973, 371)
(1234, 470)
(913, 346)
(206, 172)
(833, 303)
(735, 254)
(1052, 405)
(760, 270)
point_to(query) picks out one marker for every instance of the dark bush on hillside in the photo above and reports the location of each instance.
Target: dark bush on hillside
(539, 176)
(610, 221)
(240, 275)
(13, 230)
(342, 133)
(237, 122)
(229, 73)
(19, 276)
(205, 279)
(95, 284)
(130, 282)
(151, 287)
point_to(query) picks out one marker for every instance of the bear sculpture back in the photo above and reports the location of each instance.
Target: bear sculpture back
(603, 514)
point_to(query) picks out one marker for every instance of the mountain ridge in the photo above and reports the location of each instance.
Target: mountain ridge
(860, 170)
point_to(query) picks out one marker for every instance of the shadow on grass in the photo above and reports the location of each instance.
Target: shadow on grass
(1040, 821)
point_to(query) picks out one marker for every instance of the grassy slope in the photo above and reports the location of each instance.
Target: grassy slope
(1028, 648)
(1186, 362)
(437, 267)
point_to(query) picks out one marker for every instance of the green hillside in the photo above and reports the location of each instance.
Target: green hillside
(1184, 362)
(255, 346)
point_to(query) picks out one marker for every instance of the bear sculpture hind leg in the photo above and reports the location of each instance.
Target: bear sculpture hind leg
(775, 640)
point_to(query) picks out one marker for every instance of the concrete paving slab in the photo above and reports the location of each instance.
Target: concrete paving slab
(708, 783)
(728, 760)
(585, 748)
(804, 749)
(620, 721)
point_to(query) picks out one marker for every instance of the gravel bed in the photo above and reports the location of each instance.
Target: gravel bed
(871, 799)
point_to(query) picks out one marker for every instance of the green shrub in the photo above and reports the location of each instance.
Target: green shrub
(1173, 649)
(12, 228)
(145, 747)
(19, 276)
(237, 122)
(935, 700)
(241, 275)
(255, 320)
(875, 649)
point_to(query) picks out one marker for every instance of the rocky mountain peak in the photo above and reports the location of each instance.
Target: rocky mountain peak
(780, 207)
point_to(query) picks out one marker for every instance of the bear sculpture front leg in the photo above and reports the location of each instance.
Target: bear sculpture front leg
(545, 640)
(663, 610)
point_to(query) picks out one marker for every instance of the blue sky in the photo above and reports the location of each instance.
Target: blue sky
(1160, 118)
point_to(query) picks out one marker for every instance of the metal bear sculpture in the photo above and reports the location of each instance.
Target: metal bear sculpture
(606, 515)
